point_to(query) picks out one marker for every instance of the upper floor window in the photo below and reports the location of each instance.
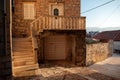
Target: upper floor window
(56, 12)
(56, 9)
(29, 10)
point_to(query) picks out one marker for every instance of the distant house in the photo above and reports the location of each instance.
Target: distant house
(110, 35)
(93, 33)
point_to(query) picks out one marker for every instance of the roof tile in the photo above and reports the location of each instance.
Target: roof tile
(108, 35)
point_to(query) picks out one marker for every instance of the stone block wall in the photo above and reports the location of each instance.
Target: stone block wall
(81, 48)
(79, 51)
(21, 26)
(97, 52)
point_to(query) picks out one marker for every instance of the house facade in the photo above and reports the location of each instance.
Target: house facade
(47, 30)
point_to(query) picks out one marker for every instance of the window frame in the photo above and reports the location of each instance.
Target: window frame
(53, 6)
(24, 10)
(56, 12)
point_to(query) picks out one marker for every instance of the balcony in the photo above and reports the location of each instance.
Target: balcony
(58, 23)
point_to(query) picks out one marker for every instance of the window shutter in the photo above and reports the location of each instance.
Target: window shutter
(32, 11)
(29, 11)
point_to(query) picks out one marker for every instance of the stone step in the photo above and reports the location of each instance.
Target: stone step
(21, 59)
(17, 53)
(23, 74)
(21, 39)
(22, 47)
(25, 68)
(22, 50)
(23, 63)
(23, 56)
(22, 43)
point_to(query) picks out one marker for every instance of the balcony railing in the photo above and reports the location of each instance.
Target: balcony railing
(58, 23)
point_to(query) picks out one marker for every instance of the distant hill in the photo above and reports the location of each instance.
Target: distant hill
(102, 29)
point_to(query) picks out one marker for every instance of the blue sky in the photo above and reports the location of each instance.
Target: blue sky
(105, 16)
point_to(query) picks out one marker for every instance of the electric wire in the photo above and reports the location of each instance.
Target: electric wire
(97, 7)
(113, 12)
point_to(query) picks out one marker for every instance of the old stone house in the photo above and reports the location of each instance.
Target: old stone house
(44, 30)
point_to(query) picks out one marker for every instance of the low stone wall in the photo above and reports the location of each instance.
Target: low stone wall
(97, 52)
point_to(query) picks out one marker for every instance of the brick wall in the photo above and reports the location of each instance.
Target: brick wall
(21, 26)
(97, 52)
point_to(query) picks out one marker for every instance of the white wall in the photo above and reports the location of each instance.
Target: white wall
(116, 45)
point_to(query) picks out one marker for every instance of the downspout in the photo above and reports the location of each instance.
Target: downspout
(11, 32)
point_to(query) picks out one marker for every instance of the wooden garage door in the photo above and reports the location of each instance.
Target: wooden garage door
(55, 47)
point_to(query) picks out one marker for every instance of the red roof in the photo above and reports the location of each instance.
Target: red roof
(108, 35)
